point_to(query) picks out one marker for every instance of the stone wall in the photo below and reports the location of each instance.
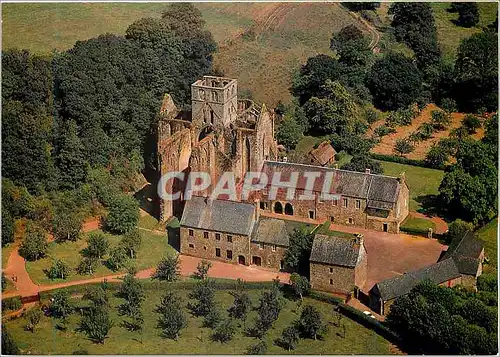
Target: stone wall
(332, 278)
(268, 258)
(199, 246)
(361, 270)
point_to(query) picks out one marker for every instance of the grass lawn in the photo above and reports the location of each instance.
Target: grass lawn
(421, 181)
(153, 248)
(194, 339)
(489, 235)
(449, 34)
(148, 222)
(418, 224)
(325, 229)
(6, 253)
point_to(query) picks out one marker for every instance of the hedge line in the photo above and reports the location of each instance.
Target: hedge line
(421, 232)
(12, 303)
(358, 316)
(404, 160)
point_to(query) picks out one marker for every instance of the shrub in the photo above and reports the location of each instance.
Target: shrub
(33, 318)
(440, 119)
(13, 303)
(403, 147)
(259, 348)
(471, 123)
(289, 338)
(224, 331)
(123, 214)
(87, 266)
(487, 282)
(457, 229)
(384, 130)
(436, 157)
(168, 268)
(58, 270)
(117, 258)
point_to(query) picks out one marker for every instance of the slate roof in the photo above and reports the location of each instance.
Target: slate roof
(323, 153)
(334, 251)
(465, 253)
(219, 215)
(380, 191)
(401, 285)
(272, 231)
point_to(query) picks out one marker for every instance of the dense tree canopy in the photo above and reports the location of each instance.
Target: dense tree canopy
(468, 13)
(395, 82)
(476, 72)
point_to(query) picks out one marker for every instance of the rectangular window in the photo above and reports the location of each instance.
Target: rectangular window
(229, 254)
(358, 204)
(261, 246)
(335, 202)
(311, 214)
(345, 202)
(205, 235)
(217, 236)
(217, 252)
(191, 245)
(332, 219)
(230, 239)
(273, 248)
(351, 221)
(191, 233)
(331, 270)
(331, 281)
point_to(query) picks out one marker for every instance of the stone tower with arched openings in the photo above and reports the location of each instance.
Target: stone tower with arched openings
(215, 99)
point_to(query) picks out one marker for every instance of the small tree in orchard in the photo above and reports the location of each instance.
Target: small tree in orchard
(67, 225)
(204, 296)
(202, 269)
(213, 318)
(403, 147)
(289, 338)
(300, 285)
(471, 123)
(437, 156)
(97, 295)
(35, 243)
(123, 214)
(118, 258)
(60, 306)
(224, 331)
(310, 323)
(168, 268)
(96, 323)
(87, 266)
(33, 318)
(132, 291)
(131, 241)
(241, 306)
(172, 319)
(260, 348)
(440, 119)
(58, 270)
(98, 245)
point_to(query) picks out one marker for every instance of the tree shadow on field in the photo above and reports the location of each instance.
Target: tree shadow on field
(432, 206)
(174, 237)
(147, 198)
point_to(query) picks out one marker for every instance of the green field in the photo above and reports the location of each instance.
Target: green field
(449, 34)
(417, 224)
(153, 248)
(422, 182)
(263, 64)
(194, 339)
(489, 234)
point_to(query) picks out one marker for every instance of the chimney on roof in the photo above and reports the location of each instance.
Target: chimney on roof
(257, 210)
(367, 171)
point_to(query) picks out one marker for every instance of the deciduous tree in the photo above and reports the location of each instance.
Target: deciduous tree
(168, 268)
(172, 318)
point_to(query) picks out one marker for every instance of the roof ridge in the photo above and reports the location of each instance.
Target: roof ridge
(328, 168)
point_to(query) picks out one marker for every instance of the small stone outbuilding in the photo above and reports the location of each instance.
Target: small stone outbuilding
(269, 243)
(323, 155)
(337, 264)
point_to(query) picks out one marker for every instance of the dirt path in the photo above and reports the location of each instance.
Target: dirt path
(188, 265)
(274, 19)
(375, 35)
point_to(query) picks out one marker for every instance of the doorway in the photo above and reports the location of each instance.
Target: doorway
(256, 261)
(385, 227)
(241, 259)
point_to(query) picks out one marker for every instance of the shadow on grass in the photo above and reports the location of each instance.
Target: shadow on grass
(432, 206)
(174, 237)
(147, 199)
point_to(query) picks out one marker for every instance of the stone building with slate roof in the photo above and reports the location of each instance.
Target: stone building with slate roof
(363, 200)
(337, 264)
(460, 265)
(232, 232)
(323, 155)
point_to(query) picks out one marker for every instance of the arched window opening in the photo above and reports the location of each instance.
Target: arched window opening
(278, 208)
(289, 209)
